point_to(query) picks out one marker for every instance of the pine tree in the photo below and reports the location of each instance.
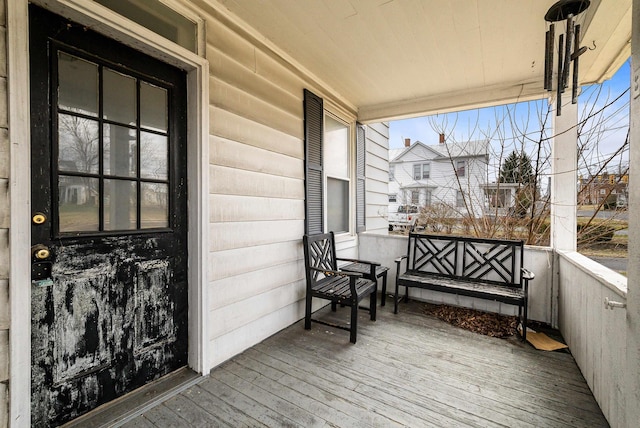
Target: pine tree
(517, 168)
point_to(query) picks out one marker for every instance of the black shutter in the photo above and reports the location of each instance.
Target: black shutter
(313, 142)
(360, 178)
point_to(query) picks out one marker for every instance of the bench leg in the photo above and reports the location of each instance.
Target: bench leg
(354, 322)
(384, 289)
(307, 312)
(334, 306)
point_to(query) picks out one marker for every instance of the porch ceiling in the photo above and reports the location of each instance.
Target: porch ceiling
(402, 58)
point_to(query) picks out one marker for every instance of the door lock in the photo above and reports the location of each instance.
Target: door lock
(39, 218)
(40, 252)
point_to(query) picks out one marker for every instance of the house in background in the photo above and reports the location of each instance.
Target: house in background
(500, 198)
(452, 174)
(596, 190)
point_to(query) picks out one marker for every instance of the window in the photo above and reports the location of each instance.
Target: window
(427, 201)
(329, 170)
(425, 170)
(337, 172)
(459, 199)
(460, 168)
(498, 198)
(415, 197)
(421, 171)
(392, 172)
(158, 18)
(112, 149)
(392, 198)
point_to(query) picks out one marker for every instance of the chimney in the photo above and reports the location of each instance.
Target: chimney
(441, 138)
(407, 142)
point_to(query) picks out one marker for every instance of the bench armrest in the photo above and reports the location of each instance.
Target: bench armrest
(357, 261)
(400, 259)
(528, 275)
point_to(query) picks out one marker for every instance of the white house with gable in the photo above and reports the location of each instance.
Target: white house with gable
(448, 173)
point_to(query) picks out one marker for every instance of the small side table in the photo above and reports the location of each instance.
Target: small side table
(364, 269)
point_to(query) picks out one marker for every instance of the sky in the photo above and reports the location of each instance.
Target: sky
(514, 126)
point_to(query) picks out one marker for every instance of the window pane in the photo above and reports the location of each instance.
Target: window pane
(154, 210)
(425, 170)
(78, 204)
(153, 107)
(119, 146)
(336, 148)
(337, 205)
(119, 97)
(416, 172)
(77, 84)
(158, 18)
(77, 144)
(119, 205)
(153, 156)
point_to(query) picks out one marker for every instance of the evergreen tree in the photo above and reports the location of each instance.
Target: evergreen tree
(517, 168)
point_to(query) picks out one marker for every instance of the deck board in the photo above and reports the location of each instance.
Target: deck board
(408, 369)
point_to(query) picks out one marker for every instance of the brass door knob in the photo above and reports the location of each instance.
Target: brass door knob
(40, 252)
(39, 218)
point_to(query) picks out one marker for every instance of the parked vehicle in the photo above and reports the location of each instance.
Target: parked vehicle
(405, 217)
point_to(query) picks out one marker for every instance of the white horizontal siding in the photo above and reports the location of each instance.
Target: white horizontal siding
(232, 181)
(243, 234)
(247, 285)
(377, 173)
(229, 263)
(233, 154)
(256, 306)
(238, 128)
(233, 208)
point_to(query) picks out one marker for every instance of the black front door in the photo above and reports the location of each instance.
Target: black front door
(109, 197)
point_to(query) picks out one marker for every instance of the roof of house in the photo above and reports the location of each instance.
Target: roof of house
(446, 150)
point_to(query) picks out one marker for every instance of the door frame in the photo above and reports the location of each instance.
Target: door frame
(122, 30)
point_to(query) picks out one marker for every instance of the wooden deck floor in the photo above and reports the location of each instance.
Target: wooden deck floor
(406, 370)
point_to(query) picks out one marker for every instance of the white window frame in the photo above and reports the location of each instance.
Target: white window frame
(459, 199)
(461, 165)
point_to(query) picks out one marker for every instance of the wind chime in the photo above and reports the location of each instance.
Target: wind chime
(568, 50)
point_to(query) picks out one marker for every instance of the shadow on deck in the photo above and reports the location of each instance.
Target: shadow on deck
(406, 370)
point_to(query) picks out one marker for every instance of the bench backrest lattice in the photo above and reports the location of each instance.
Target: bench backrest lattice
(429, 254)
(492, 261)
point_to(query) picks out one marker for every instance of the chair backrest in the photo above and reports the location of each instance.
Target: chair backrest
(319, 253)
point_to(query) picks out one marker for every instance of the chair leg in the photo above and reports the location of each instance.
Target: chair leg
(384, 288)
(354, 321)
(524, 322)
(395, 300)
(307, 312)
(373, 303)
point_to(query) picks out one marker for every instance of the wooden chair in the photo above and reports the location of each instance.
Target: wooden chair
(326, 281)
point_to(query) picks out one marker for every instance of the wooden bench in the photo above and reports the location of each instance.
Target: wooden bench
(489, 269)
(326, 281)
